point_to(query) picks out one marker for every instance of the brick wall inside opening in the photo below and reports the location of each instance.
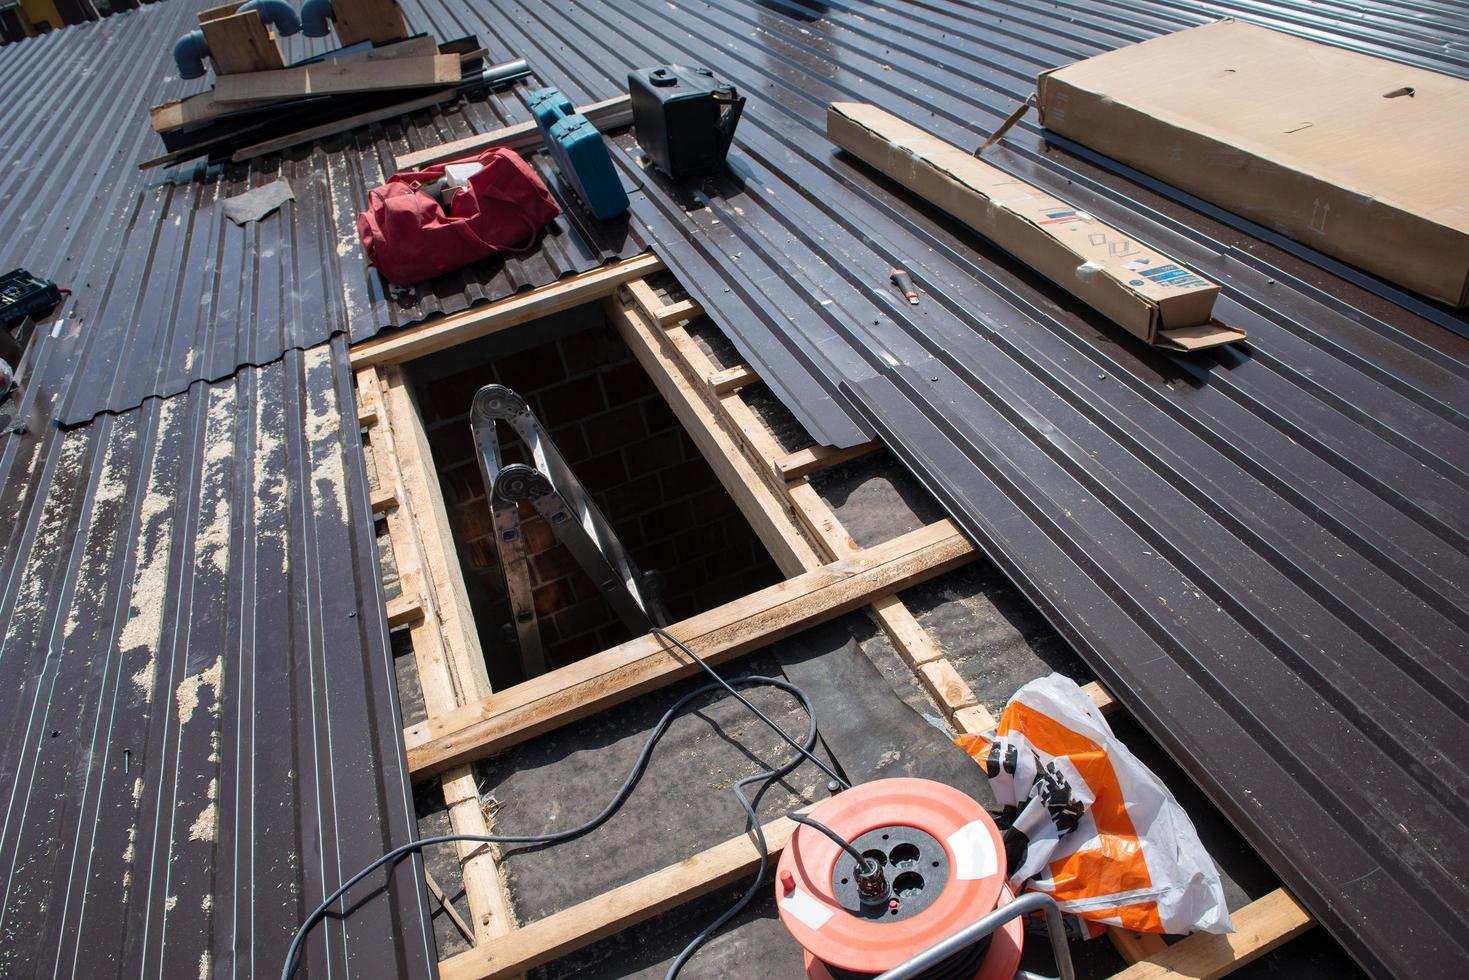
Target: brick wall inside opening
(624, 443)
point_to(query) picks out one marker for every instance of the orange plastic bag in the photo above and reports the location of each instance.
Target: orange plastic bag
(1099, 832)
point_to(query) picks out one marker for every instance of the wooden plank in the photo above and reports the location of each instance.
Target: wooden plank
(331, 78)
(814, 459)
(419, 481)
(1259, 927)
(194, 110)
(367, 20)
(436, 335)
(343, 125)
(607, 115)
(645, 663)
(442, 651)
(241, 43)
(769, 515)
(731, 379)
(548, 939)
(973, 721)
(951, 691)
(1136, 946)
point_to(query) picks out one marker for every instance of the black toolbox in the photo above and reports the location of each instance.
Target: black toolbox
(685, 118)
(23, 295)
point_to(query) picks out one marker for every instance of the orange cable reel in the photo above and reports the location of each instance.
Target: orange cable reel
(943, 866)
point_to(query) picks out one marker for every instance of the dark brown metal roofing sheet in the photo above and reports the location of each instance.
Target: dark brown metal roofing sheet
(1260, 548)
(166, 290)
(198, 724)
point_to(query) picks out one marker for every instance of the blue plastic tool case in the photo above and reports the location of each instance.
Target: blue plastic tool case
(581, 156)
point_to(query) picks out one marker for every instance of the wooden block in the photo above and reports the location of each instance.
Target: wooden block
(814, 459)
(241, 43)
(382, 500)
(367, 20)
(329, 78)
(661, 313)
(940, 677)
(1101, 697)
(684, 309)
(402, 611)
(436, 335)
(731, 379)
(1259, 927)
(610, 114)
(571, 693)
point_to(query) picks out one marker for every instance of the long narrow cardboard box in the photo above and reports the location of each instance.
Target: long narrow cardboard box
(1133, 284)
(335, 78)
(1358, 157)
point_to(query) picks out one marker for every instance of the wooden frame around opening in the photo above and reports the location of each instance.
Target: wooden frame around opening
(827, 574)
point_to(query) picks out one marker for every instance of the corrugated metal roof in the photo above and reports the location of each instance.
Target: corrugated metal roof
(166, 290)
(1261, 549)
(198, 724)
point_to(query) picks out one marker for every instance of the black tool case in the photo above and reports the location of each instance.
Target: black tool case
(23, 295)
(685, 118)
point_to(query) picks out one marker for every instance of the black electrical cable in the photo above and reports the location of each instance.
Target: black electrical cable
(767, 777)
(661, 632)
(867, 865)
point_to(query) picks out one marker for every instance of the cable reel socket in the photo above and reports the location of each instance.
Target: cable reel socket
(943, 866)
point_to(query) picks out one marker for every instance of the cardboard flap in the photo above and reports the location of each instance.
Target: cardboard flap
(1211, 334)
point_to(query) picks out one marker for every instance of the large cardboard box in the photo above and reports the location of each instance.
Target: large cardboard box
(1133, 284)
(1361, 158)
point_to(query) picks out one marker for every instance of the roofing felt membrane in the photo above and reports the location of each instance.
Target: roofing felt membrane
(1259, 549)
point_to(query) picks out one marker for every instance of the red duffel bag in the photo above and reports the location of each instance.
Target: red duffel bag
(409, 238)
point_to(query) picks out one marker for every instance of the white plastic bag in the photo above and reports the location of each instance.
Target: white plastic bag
(1102, 835)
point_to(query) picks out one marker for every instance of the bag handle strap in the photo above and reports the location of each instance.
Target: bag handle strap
(494, 193)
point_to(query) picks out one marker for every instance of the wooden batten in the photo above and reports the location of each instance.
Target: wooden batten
(610, 114)
(338, 78)
(647, 663)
